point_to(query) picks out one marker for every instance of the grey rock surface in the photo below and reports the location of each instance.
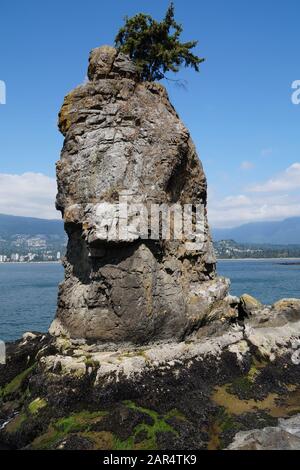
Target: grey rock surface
(285, 436)
(123, 136)
(127, 360)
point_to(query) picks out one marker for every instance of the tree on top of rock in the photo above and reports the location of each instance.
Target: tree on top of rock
(155, 47)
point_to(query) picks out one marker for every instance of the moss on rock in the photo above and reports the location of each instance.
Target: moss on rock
(57, 430)
(15, 384)
(150, 432)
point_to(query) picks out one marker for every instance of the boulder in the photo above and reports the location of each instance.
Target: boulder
(249, 305)
(287, 308)
(285, 436)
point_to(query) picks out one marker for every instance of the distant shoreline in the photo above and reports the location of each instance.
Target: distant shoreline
(219, 259)
(30, 262)
(258, 259)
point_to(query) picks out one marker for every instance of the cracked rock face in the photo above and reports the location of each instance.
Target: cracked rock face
(123, 137)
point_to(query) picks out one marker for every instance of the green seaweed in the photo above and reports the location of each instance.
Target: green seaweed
(159, 425)
(36, 405)
(75, 422)
(14, 385)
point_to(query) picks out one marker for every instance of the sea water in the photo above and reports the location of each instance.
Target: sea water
(28, 292)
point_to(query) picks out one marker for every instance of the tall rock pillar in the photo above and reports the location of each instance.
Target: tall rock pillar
(124, 139)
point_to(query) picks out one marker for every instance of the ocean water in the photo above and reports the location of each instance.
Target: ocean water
(267, 280)
(28, 292)
(28, 295)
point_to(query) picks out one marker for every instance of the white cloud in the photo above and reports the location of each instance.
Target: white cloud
(246, 165)
(235, 201)
(286, 181)
(29, 194)
(276, 199)
(238, 210)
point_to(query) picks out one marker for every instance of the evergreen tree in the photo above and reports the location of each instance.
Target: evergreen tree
(155, 47)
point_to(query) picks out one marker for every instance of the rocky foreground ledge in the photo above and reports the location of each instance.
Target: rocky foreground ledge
(232, 384)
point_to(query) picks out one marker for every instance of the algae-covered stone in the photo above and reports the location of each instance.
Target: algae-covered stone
(36, 405)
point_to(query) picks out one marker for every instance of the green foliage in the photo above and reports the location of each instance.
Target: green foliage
(155, 47)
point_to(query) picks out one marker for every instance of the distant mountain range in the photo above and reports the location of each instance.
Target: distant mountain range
(11, 225)
(285, 232)
(28, 239)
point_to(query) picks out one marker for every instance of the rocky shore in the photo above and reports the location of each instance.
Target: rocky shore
(231, 386)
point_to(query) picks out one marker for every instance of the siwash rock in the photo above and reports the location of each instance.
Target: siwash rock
(123, 137)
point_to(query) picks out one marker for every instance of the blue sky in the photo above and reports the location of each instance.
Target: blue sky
(238, 108)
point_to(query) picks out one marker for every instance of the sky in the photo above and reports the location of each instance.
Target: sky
(238, 108)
